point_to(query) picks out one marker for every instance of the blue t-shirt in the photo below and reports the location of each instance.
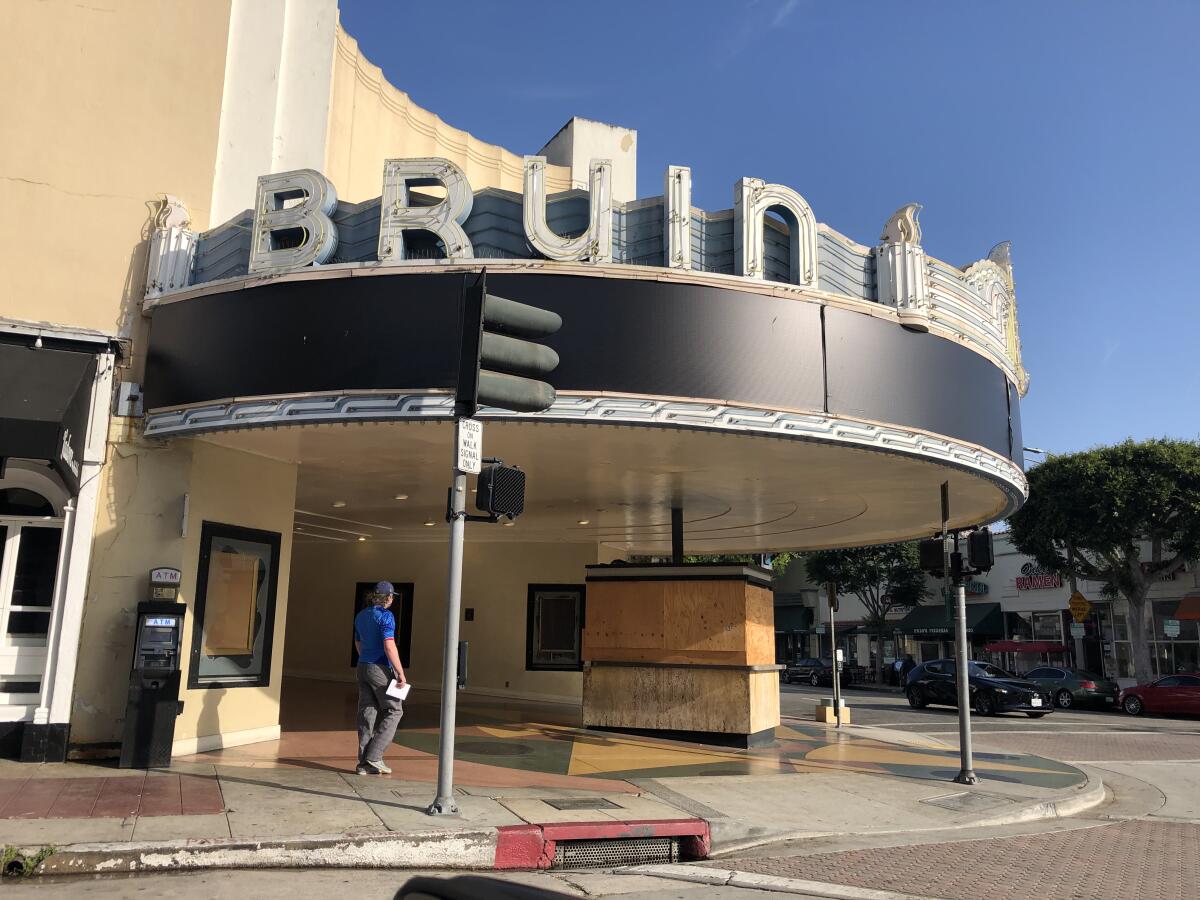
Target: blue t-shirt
(372, 627)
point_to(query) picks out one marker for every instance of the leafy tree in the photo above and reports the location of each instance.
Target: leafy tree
(883, 578)
(1123, 515)
(779, 561)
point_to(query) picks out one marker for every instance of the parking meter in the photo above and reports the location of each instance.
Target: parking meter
(153, 700)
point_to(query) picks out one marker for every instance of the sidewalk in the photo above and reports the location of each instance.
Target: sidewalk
(525, 788)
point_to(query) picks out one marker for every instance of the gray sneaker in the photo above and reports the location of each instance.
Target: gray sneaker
(363, 769)
(378, 767)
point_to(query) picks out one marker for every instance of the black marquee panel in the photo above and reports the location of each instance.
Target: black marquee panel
(399, 332)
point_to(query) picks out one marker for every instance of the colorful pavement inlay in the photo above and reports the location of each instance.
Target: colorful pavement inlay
(565, 750)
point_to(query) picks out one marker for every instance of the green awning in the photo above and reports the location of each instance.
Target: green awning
(983, 620)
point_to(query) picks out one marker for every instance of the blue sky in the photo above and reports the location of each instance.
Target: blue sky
(1070, 128)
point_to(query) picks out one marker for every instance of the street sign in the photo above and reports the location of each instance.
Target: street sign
(470, 446)
(1078, 629)
(1079, 606)
(1171, 628)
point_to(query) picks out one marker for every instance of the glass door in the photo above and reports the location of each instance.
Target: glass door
(29, 550)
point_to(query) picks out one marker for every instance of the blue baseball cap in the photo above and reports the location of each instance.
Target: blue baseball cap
(384, 588)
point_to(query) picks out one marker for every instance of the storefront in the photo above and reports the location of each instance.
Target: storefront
(282, 430)
(53, 418)
(927, 632)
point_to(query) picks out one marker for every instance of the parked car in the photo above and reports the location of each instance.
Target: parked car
(810, 670)
(1075, 687)
(992, 690)
(1173, 694)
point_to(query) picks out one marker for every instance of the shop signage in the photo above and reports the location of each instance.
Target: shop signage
(1034, 578)
(1079, 606)
(976, 588)
(294, 223)
(1171, 628)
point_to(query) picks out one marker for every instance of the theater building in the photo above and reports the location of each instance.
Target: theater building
(254, 286)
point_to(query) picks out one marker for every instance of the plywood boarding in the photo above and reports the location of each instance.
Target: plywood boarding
(764, 700)
(760, 626)
(728, 622)
(627, 614)
(721, 701)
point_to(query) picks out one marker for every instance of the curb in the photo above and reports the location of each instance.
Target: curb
(734, 878)
(502, 848)
(1091, 795)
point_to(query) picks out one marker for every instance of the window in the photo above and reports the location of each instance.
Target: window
(1172, 681)
(554, 633)
(1042, 673)
(236, 583)
(1047, 627)
(1189, 681)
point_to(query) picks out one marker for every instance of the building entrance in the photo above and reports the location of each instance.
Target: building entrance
(29, 551)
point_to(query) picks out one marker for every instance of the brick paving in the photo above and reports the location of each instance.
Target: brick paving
(1107, 745)
(119, 797)
(1139, 859)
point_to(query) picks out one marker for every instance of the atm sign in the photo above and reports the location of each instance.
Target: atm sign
(161, 622)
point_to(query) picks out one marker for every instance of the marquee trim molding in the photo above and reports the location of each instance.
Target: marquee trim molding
(314, 409)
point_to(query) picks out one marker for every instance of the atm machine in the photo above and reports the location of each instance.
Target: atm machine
(153, 702)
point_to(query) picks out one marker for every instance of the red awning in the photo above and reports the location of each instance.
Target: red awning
(1189, 607)
(1025, 647)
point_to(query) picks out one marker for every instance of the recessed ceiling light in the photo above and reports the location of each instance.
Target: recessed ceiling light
(400, 497)
(509, 524)
(339, 504)
(361, 538)
(428, 523)
(584, 522)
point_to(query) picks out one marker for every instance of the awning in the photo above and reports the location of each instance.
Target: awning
(983, 620)
(1189, 607)
(45, 405)
(793, 618)
(1025, 647)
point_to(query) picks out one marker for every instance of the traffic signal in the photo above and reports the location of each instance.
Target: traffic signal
(497, 365)
(931, 556)
(980, 555)
(501, 491)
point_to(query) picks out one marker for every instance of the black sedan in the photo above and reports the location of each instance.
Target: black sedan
(809, 670)
(992, 690)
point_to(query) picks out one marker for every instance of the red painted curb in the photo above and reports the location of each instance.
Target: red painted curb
(532, 846)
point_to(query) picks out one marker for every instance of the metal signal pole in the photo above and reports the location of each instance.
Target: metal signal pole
(966, 773)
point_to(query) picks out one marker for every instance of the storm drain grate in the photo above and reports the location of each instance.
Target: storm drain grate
(581, 803)
(967, 801)
(615, 852)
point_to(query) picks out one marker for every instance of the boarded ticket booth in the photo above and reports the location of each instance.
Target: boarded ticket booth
(682, 650)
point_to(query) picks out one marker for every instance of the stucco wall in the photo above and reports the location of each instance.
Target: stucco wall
(105, 107)
(370, 121)
(496, 578)
(139, 527)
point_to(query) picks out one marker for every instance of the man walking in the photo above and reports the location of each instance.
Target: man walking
(378, 714)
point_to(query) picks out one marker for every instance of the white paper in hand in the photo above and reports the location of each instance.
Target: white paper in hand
(399, 692)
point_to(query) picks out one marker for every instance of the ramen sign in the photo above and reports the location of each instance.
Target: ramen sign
(1034, 578)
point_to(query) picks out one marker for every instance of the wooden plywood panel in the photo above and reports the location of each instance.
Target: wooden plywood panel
(760, 626)
(706, 615)
(666, 699)
(626, 614)
(764, 700)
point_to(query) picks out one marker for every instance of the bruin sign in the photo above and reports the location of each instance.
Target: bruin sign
(293, 226)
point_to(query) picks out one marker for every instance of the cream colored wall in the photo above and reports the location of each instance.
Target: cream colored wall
(496, 578)
(370, 121)
(139, 528)
(105, 107)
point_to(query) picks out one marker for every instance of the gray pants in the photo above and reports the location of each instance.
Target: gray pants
(378, 714)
